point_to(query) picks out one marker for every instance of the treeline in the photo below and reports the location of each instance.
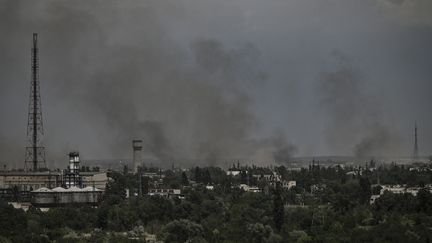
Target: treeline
(326, 206)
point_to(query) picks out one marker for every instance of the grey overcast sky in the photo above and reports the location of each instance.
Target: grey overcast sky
(217, 80)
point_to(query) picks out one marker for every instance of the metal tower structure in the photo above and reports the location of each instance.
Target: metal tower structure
(72, 174)
(35, 153)
(415, 153)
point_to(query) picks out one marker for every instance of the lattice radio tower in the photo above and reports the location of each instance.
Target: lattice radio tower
(35, 153)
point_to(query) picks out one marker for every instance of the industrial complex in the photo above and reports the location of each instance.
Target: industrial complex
(38, 185)
(75, 184)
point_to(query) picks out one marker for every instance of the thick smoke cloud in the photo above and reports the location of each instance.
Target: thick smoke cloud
(408, 11)
(283, 150)
(210, 81)
(190, 112)
(353, 113)
(379, 140)
(195, 111)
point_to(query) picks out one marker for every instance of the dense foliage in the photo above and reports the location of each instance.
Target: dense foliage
(327, 205)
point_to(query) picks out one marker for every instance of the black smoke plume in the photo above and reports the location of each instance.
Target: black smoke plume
(355, 116)
(118, 84)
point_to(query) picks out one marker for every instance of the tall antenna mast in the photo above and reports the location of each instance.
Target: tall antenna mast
(415, 154)
(35, 153)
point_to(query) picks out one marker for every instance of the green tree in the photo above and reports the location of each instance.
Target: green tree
(185, 180)
(278, 208)
(376, 190)
(198, 174)
(206, 177)
(12, 221)
(365, 190)
(144, 185)
(179, 231)
(258, 232)
(424, 198)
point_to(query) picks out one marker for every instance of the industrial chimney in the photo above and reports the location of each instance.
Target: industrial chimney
(137, 154)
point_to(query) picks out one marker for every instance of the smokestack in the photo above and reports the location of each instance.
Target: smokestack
(137, 154)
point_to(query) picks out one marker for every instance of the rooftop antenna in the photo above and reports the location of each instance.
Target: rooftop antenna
(35, 153)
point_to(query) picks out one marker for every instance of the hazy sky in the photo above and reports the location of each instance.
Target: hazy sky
(217, 80)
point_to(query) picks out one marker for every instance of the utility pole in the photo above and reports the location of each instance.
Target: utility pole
(140, 191)
(415, 154)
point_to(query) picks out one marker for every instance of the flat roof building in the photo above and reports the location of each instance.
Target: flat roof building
(28, 181)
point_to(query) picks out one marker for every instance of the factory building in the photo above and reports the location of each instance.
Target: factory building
(94, 179)
(169, 193)
(78, 188)
(28, 181)
(59, 196)
(71, 177)
(36, 181)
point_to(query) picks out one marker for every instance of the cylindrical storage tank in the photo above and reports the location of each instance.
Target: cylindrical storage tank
(43, 198)
(64, 197)
(79, 197)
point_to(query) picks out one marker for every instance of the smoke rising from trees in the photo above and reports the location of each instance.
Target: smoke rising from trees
(354, 113)
(213, 81)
